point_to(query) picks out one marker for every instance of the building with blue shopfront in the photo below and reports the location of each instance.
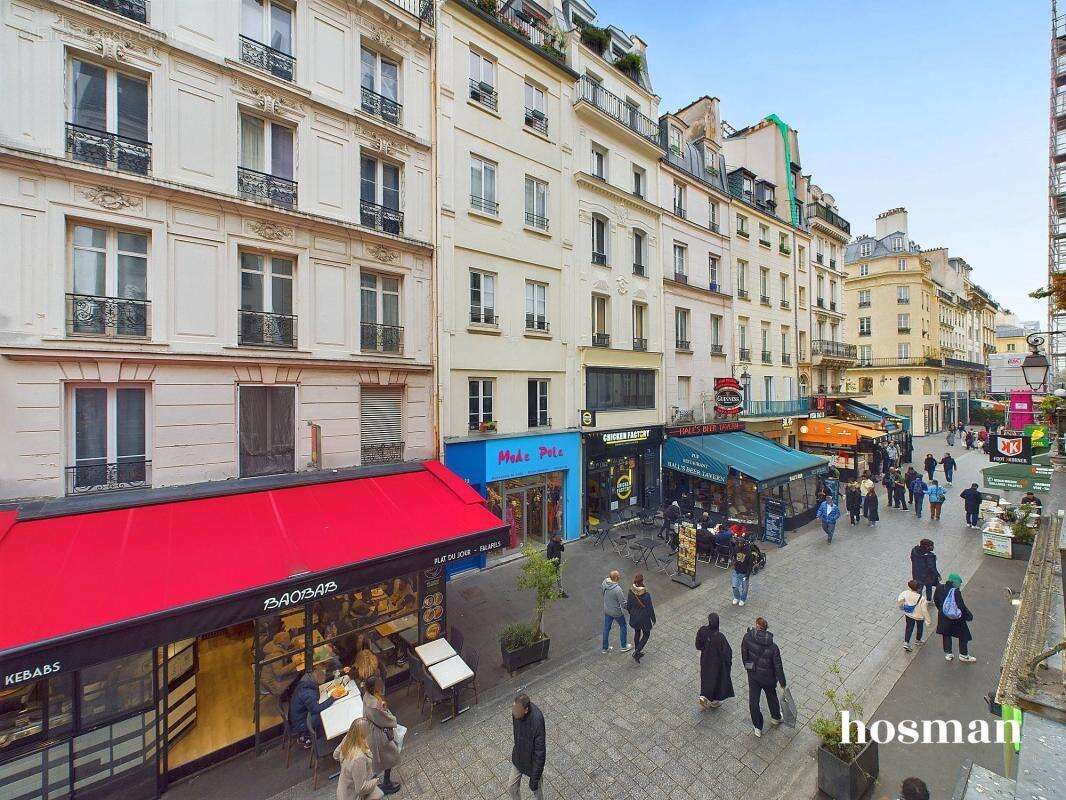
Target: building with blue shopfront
(532, 482)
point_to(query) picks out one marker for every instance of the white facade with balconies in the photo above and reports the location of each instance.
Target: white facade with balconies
(218, 220)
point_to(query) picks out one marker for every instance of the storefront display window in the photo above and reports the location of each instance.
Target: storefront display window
(115, 688)
(532, 507)
(614, 484)
(743, 497)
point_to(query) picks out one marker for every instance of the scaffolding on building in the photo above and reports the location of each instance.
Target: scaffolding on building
(1056, 343)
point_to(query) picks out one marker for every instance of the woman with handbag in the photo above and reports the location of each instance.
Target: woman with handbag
(953, 618)
(383, 746)
(641, 615)
(915, 612)
(353, 754)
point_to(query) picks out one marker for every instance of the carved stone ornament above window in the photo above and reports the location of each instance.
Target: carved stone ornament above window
(276, 104)
(386, 145)
(270, 230)
(111, 199)
(385, 255)
(110, 43)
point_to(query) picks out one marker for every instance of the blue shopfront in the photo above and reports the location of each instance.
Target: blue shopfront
(531, 482)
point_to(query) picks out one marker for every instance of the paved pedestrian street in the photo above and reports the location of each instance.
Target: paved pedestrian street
(621, 730)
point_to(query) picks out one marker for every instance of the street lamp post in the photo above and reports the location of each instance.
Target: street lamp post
(1035, 367)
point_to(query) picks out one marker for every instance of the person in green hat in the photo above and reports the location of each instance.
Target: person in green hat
(953, 618)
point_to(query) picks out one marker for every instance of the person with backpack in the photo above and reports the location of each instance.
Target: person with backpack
(915, 610)
(923, 566)
(743, 561)
(869, 507)
(969, 440)
(762, 661)
(949, 465)
(853, 502)
(936, 496)
(641, 615)
(918, 489)
(554, 553)
(829, 512)
(930, 465)
(952, 622)
(972, 499)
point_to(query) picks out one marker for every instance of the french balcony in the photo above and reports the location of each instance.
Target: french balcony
(717, 350)
(864, 304)
(375, 338)
(767, 357)
(784, 250)
(599, 258)
(92, 476)
(680, 277)
(820, 302)
(537, 120)
(764, 242)
(679, 210)
(902, 330)
(265, 329)
(639, 344)
(535, 322)
(263, 56)
(744, 354)
(826, 350)
(484, 205)
(380, 218)
(382, 107)
(640, 270)
(776, 408)
(539, 420)
(742, 294)
(265, 188)
(682, 344)
(785, 304)
(483, 316)
(137, 10)
(764, 299)
(108, 150)
(601, 340)
(819, 258)
(381, 453)
(484, 93)
(902, 301)
(801, 355)
(832, 263)
(743, 234)
(714, 287)
(832, 305)
(109, 317)
(615, 107)
(535, 221)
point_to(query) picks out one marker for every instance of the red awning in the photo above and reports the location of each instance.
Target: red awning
(65, 574)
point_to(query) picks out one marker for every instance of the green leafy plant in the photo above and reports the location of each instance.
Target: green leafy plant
(1023, 534)
(488, 6)
(632, 63)
(595, 38)
(828, 728)
(517, 635)
(541, 575)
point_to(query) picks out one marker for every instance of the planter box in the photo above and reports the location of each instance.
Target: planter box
(524, 656)
(843, 781)
(1021, 552)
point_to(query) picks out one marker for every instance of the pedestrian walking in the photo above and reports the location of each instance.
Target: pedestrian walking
(554, 552)
(908, 481)
(762, 660)
(972, 499)
(869, 507)
(384, 750)
(530, 747)
(949, 465)
(716, 661)
(930, 465)
(915, 610)
(952, 621)
(913, 789)
(853, 502)
(829, 512)
(936, 496)
(641, 615)
(743, 560)
(892, 455)
(354, 782)
(900, 484)
(969, 440)
(671, 515)
(923, 567)
(614, 604)
(877, 460)
(866, 484)
(918, 488)
(951, 438)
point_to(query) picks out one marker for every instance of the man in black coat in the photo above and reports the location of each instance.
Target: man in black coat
(554, 552)
(972, 498)
(923, 567)
(762, 660)
(527, 757)
(671, 514)
(305, 701)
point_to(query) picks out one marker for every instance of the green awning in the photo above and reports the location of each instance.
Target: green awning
(764, 461)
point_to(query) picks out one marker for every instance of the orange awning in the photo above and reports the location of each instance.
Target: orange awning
(835, 431)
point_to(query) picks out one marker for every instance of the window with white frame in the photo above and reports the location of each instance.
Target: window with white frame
(901, 265)
(903, 349)
(601, 321)
(639, 251)
(268, 22)
(599, 162)
(483, 297)
(716, 332)
(742, 335)
(713, 218)
(903, 322)
(108, 282)
(640, 340)
(535, 117)
(108, 101)
(266, 315)
(679, 199)
(768, 387)
(537, 402)
(681, 329)
(865, 352)
(684, 392)
(832, 294)
(536, 199)
(483, 79)
(379, 79)
(785, 293)
(864, 270)
(536, 306)
(266, 429)
(483, 185)
(639, 181)
(680, 268)
(674, 140)
(897, 244)
(479, 408)
(764, 283)
(784, 341)
(379, 195)
(742, 275)
(108, 438)
(713, 262)
(747, 187)
(379, 310)
(903, 294)
(864, 326)
(599, 240)
(865, 248)
(266, 146)
(742, 226)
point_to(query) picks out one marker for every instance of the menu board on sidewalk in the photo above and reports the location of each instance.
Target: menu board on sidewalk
(773, 530)
(686, 557)
(431, 621)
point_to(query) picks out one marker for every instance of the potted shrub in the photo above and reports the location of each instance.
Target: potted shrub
(595, 39)
(845, 771)
(487, 427)
(488, 6)
(1022, 543)
(524, 643)
(631, 64)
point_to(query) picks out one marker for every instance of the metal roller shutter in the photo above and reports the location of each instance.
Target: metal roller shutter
(381, 425)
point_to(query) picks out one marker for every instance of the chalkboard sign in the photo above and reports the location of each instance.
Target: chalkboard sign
(686, 557)
(773, 530)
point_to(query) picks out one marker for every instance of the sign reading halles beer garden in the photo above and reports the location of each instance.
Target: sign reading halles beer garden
(728, 397)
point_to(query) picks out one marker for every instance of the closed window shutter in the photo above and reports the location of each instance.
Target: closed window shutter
(381, 425)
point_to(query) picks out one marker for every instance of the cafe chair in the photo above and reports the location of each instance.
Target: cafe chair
(666, 563)
(602, 535)
(418, 676)
(471, 658)
(320, 748)
(455, 639)
(434, 695)
(621, 542)
(288, 738)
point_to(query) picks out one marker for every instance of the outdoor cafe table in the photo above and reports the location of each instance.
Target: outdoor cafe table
(646, 545)
(449, 673)
(432, 652)
(338, 718)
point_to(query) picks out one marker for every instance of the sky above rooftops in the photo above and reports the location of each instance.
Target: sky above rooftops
(938, 107)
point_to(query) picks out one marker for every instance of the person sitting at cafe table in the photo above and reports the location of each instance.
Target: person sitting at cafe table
(401, 597)
(305, 701)
(722, 535)
(1031, 499)
(278, 673)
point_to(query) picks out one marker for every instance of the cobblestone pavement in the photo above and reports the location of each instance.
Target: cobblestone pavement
(621, 730)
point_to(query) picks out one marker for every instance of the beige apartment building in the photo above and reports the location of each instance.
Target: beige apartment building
(218, 221)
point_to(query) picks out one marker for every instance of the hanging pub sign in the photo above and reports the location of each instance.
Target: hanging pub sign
(818, 402)
(1010, 447)
(728, 397)
(588, 419)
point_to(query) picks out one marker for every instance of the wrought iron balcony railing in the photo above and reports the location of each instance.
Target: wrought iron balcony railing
(263, 56)
(108, 150)
(640, 271)
(818, 211)
(380, 338)
(909, 361)
(380, 106)
(601, 340)
(773, 408)
(864, 304)
(785, 304)
(265, 329)
(485, 206)
(113, 317)
(744, 354)
(531, 29)
(422, 9)
(537, 120)
(742, 294)
(484, 93)
(828, 347)
(380, 218)
(381, 453)
(535, 322)
(764, 299)
(767, 357)
(92, 475)
(679, 210)
(716, 350)
(680, 277)
(615, 107)
(539, 419)
(640, 344)
(786, 358)
(599, 258)
(535, 221)
(483, 316)
(265, 188)
(137, 10)
(682, 344)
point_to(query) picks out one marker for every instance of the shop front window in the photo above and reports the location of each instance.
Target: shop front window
(532, 507)
(743, 497)
(614, 486)
(115, 688)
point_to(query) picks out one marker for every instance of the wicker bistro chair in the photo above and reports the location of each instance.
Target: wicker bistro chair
(320, 748)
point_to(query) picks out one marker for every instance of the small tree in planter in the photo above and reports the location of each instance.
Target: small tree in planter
(845, 771)
(631, 64)
(526, 643)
